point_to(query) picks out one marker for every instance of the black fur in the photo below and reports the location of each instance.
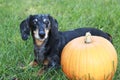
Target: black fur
(25, 29)
(56, 40)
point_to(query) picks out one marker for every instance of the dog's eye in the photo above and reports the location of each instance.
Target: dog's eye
(46, 21)
(35, 21)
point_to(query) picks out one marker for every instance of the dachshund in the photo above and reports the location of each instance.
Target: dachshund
(48, 41)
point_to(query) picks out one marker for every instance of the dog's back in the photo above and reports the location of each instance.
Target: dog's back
(69, 35)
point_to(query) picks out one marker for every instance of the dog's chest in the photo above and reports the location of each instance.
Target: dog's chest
(39, 43)
(40, 52)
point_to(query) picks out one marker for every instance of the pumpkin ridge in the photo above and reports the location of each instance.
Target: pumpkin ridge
(110, 56)
(73, 63)
(82, 61)
(79, 56)
(70, 63)
(86, 58)
(105, 64)
(92, 62)
(97, 56)
(68, 58)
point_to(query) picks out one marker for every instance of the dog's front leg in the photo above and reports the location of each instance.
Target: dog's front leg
(52, 61)
(44, 68)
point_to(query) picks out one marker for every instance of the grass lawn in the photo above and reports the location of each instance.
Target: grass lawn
(101, 14)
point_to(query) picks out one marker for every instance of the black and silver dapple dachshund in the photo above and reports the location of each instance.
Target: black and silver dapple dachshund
(48, 41)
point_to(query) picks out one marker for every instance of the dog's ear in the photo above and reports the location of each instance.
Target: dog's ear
(54, 27)
(25, 29)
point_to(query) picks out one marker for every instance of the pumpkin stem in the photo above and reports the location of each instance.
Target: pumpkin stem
(88, 37)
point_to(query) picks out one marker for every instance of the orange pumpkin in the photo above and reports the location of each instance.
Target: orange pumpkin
(89, 58)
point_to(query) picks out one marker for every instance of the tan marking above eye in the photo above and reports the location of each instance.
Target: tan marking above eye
(36, 20)
(44, 20)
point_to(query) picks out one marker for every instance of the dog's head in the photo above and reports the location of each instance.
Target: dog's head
(40, 27)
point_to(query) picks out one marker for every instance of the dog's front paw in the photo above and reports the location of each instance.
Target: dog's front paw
(54, 61)
(31, 64)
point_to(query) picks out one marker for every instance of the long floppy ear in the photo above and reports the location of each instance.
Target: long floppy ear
(25, 29)
(54, 27)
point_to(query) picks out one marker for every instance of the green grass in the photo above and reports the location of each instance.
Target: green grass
(101, 14)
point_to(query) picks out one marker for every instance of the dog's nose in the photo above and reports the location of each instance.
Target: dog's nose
(42, 34)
